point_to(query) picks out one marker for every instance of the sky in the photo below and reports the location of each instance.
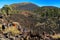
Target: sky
(37, 2)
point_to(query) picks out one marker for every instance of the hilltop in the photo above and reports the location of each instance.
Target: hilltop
(24, 6)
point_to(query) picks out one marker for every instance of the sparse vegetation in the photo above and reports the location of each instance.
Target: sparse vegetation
(36, 19)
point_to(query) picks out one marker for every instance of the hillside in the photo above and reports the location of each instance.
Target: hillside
(27, 21)
(39, 18)
(24, 6)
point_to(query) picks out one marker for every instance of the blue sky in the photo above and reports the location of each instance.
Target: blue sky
(37, 2)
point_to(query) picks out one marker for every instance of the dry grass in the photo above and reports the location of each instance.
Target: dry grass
(56, 36)
(1, 27)
(13, 30)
